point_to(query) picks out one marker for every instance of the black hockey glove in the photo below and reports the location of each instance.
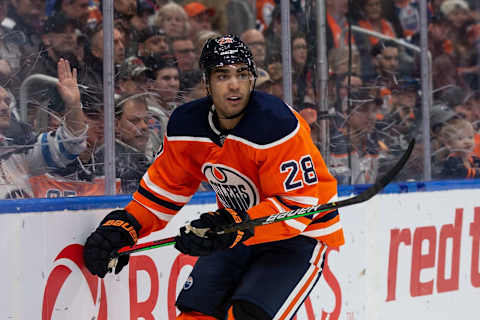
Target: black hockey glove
(198, 238)
(118, 229)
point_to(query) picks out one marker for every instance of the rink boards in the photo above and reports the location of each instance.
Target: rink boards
(411, 253)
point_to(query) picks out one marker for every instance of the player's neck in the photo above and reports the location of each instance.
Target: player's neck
(229, 124)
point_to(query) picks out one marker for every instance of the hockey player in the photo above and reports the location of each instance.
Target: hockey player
(257, 154)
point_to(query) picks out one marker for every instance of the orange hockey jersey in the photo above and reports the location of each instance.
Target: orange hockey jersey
(267, 164)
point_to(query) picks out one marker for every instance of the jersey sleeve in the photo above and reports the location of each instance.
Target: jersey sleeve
(293, 175)
(165, 188)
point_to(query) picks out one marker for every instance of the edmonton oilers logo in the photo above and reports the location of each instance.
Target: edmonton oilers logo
(234, 190)
(188, 283)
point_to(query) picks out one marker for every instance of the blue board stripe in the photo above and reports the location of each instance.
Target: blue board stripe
(110, 202)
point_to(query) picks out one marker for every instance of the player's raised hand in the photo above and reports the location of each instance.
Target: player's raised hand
(200, 239)
(67, 84)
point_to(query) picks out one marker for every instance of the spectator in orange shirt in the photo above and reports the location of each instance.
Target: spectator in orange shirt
(374, 20)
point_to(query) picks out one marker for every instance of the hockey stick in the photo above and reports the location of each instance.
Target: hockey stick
(364, 196)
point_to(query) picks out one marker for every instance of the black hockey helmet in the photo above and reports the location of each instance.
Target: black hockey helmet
(224, 51)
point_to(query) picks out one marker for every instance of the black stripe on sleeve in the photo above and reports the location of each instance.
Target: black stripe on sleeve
(150, 196)
(326, 217)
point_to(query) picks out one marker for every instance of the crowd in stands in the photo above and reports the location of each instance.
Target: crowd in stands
(374, 86)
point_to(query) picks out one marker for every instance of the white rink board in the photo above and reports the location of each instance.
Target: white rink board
(417, 230)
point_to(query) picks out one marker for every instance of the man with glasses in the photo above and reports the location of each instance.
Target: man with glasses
(184, 52)
(255, 40)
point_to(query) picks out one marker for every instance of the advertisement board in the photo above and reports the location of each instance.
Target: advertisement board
(407, 255)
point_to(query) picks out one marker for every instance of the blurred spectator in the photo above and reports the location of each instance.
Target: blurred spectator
(440, 115)
(337, 35)
(386, 61)
(193, 87)
(27, 17)
(173, 19)
(303, 77)
(25, 155)
(374, 20)
(240, 16)
(200, 17)
(145, 9)
(452, 96)
(125, 9)
(274, 69)
(164, 91)
(338, 61)
(264, 82)
(75, 10)
(264, 13)
(255, 40)
(94, 58)
(458, 136)
(201, 38)
(274, 31)
(132, 76)
(404, 15)
(58, 40)
(153, 40)
(219, 20)
(396, 122)
(459, 17)
(131, 131)
(184, 51)
(354, 149)
(444, 62)
(10, 54)
(457, 13)
(472, 109)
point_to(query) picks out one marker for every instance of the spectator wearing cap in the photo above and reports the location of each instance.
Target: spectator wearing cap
(27, 17)
(173, 19)
(132, 76)
(263, 82)
(457, 12)
(184, 52)
(58, 40)
(199, 17)
(354, 147)
(153, 40)
(255, 40)
(440, 114)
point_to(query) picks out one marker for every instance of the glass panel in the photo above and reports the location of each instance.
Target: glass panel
(374, 96)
